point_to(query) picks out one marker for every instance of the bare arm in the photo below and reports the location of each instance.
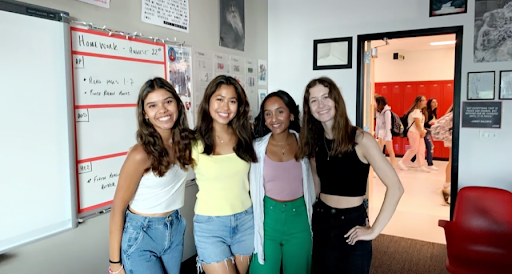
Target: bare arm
(394, 190)
(131, 173)
(316, 180)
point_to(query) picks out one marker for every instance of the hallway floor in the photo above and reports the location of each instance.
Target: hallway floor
(420, 208)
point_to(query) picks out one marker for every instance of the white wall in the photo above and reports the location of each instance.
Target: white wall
(294, 24)
(85, 249)
(422, 65)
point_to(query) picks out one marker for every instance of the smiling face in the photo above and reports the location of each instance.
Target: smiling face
(223, 104)
(161, 109)
(277, 115)
(321, 105)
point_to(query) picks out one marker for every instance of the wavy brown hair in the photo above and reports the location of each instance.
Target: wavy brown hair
(240, 123)
(416, 104)
(152, 142)
(312, 130)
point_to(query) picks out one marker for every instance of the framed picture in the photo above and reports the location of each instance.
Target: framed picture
(445, 7)
(481, 85)
(335, 53)
(506, 85)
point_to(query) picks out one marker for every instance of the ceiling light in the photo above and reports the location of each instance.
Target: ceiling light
(442, 43)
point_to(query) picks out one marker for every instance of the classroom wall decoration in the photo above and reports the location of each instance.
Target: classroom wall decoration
(447, 7)
(493, 38)
(108, 72)
(232, 24)
(171, 14)
(179, 66)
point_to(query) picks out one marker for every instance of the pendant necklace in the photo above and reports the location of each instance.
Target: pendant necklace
(328, 152)
(284, 149)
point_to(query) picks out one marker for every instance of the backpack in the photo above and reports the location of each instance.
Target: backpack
(442, 129)
(397, 128)
(405, 123)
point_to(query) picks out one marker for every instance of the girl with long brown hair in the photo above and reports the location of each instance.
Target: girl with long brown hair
(416, 116)
(146, 228)
(223, 221)
(340, 156)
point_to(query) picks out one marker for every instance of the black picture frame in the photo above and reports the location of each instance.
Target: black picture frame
(485, 85)
(508, 92)
(435, 9)
(339, 49)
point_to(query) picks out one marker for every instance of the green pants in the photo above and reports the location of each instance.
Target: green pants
(287, 239)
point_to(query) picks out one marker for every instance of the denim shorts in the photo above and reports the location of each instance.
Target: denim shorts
(219, 238)
(153, 244)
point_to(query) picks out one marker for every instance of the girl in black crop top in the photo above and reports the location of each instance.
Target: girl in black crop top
(340, 156)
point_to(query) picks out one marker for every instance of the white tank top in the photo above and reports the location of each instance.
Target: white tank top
(160, 194)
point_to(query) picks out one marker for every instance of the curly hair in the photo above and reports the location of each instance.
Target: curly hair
(312, 130)
(240, 123)
(260, 129)
(152, 142)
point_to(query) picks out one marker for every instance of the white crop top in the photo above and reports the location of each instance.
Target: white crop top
(160, 194)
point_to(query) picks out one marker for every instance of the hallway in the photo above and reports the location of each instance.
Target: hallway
(419, 209)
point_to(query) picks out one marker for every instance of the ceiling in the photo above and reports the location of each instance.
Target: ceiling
(414, 44)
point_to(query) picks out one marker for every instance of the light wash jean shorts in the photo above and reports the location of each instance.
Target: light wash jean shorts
(219, 238)
(152, 244)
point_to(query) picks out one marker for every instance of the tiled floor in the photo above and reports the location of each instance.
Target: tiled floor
(419, 209)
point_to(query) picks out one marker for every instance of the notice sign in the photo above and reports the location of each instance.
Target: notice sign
(481, 114)
(172, 14)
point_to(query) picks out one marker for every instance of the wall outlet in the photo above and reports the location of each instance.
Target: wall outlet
(488, 134)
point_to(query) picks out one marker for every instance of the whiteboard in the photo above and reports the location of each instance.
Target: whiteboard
(37, 159)
(108, 72)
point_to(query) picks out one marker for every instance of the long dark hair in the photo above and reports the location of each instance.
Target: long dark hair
(260, 129)
(152, 142)
(240, 123)
(430, 111)
(342, 129)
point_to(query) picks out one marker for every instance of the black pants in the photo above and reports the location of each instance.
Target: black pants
(331, 252)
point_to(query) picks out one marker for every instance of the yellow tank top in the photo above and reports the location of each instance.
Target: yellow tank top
(223, 182)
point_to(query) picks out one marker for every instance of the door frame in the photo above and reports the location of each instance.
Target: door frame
(458, 31)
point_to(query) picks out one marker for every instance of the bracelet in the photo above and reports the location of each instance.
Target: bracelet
(118, 262)
(114, 272)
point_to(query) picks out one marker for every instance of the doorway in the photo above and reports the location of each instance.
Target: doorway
(366, 88)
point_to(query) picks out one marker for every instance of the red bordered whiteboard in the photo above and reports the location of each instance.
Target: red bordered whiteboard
(108, 72)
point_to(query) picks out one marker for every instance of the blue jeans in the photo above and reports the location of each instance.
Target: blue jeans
(429, 145)
(153, 244)
(331, 252)
(219, 238)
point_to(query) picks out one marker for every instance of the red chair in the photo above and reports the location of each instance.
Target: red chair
(479, 239)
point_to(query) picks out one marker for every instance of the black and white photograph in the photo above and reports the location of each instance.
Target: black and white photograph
(232, 24)
(506, 85)
(447, 7)
(481, 85)
(493, 31)
(335, 53)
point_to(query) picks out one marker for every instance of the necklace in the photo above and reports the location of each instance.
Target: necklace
(284, 149)
(328, 152)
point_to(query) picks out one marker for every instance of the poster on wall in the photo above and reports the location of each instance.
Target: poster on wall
(481, 114)
(99, 3)
(493, 35)
(172, 14)
(250, 88)
(262, 72)
(179, 65)
(237, 69)
(203, 67)
(232, 24)
(221, 64)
